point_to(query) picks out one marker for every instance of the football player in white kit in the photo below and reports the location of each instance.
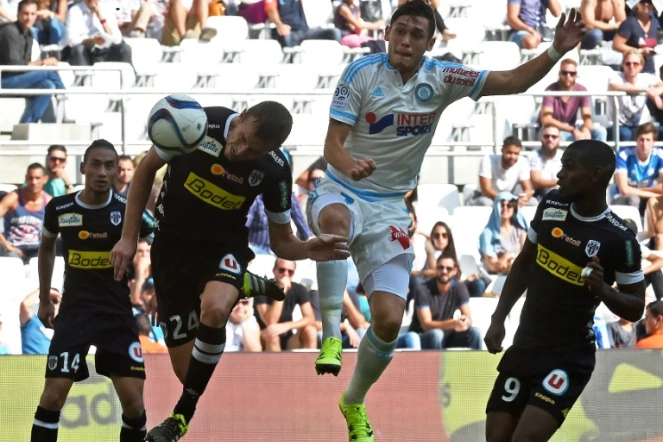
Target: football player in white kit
(383, 115)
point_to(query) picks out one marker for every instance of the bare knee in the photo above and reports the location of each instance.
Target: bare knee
(530, 42)
(335, 219)
(53, 397)
(500, 427)
(387, 311)
(217, 301)
(271, 343)
(132, 404)
(308, 337)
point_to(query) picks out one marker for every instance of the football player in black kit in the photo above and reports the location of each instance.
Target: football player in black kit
(96, 309)
(553, 353)
(200, 251)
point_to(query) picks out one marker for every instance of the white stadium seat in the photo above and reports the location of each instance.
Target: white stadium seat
(260, 53)
(481, 309)
(499, 55)
(628, 212)
(7, 187)
(438, 195)
(228, 28)
(321, 53)
(469, 222)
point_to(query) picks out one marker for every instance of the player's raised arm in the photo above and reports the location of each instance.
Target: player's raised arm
(568, 34)
(141, 188)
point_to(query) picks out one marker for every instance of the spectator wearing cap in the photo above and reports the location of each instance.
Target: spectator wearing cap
(35, 337)
(59, 182)
(16, 50)
(639, 32)
(291, 26)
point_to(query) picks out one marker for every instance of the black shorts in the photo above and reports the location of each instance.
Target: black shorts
(552, 381)
(116, 337)
(181, 271)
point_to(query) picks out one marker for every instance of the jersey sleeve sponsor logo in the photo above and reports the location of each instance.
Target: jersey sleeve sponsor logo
(592, 248)
(553, 214)
(256, 178)
(278, 160)
(423, 93)
(211, 146)
(341, 100)
(557, 382)
(628, 251)
(89, 260)
(406, 124)
(285, 196)
(70, 220)
(212, 194)
(557, 266)
(219, 170)
(116, 218)
(136, 352)
(460, 76)
(230, 264)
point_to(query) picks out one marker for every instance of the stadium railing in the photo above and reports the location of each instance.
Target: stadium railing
(123, 93)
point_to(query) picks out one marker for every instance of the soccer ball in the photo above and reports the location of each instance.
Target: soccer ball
(177, 124)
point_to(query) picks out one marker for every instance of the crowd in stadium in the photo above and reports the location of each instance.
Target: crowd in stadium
(85, 32)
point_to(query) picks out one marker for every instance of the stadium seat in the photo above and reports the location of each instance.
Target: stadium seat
(438, 195)
(262, 265)
(261, 53)
(481, 310)
(499, 55)
(125, 78)
(7, 187)
(228, 28)
(528, 212)
(468, 191)
(58, 272)
(174, 76)
(145, 52)
(468, 223)
(628, 212)
(318, 14)
(321, 53)
(197, 54)
(427, 216)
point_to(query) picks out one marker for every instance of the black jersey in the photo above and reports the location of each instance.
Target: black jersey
(88, 236)
(207, 197)
(559, 309)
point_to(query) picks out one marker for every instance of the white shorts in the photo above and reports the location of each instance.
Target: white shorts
(378, 231)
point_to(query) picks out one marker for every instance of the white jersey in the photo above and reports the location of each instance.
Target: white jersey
(393, 123)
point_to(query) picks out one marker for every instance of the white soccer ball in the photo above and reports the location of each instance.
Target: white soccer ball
(177, 124)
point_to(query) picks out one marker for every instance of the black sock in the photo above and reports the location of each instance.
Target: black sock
(45, 426)
(133, 430)
(207, 351)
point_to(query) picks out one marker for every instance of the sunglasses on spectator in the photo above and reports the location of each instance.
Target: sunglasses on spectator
(446, 268)
(438, 235)
(284, 270)
(244, 302)
(551, 136)
(57, 159)
(507, 203)
(632, 63)
(571, 73)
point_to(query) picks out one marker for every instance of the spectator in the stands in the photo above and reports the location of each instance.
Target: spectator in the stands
(527, 20)
(639, 32)
(504, 236)
(621, 333)
(562, 112)
(23, 212)
(639, 170)
(445, 33)
(508, 172)
(123, 179)
(8, 11)
(133, 16)
(436, 301)
(353, 322)
(546, 162)
(347, 18)
(16, 50)
(49, 28)
(633, 107)
(186, 19)
(59, 182)
(35, 337)
(276, 316)
(307, 180)
(93, 35)
(149, 343)
(652, 263)
(139, 275)
(291, 26)
(258, 225)
(602, 19)
(242, 329)
(654, 326)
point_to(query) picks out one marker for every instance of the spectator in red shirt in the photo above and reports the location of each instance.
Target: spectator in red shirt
(562, 112)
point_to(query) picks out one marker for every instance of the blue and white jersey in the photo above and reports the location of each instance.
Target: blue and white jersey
(640, 173)
(393, 123)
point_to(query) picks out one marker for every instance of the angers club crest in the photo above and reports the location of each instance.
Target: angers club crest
(256, 177)
(592, 248)
(116, 218)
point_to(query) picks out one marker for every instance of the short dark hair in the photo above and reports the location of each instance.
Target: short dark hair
(124, 157)
(447, 256)
(273, 122)
(59, 147)
(23, 3)
(594, 153)
(143, 324)
(632, 225)
(512, 141)
(646, 128)
(36, 166)
(416, 8)
(656, 307)
(100, 144)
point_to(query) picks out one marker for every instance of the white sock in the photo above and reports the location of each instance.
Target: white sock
(373, 357)
(332, 279)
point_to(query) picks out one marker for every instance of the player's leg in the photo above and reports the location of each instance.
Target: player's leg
(506, 403)
(329, 214)
(180, 357)
(217, 301)
(47, 416)
(387, 288)
(500, 426)
(134, 420)
(535, 425)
